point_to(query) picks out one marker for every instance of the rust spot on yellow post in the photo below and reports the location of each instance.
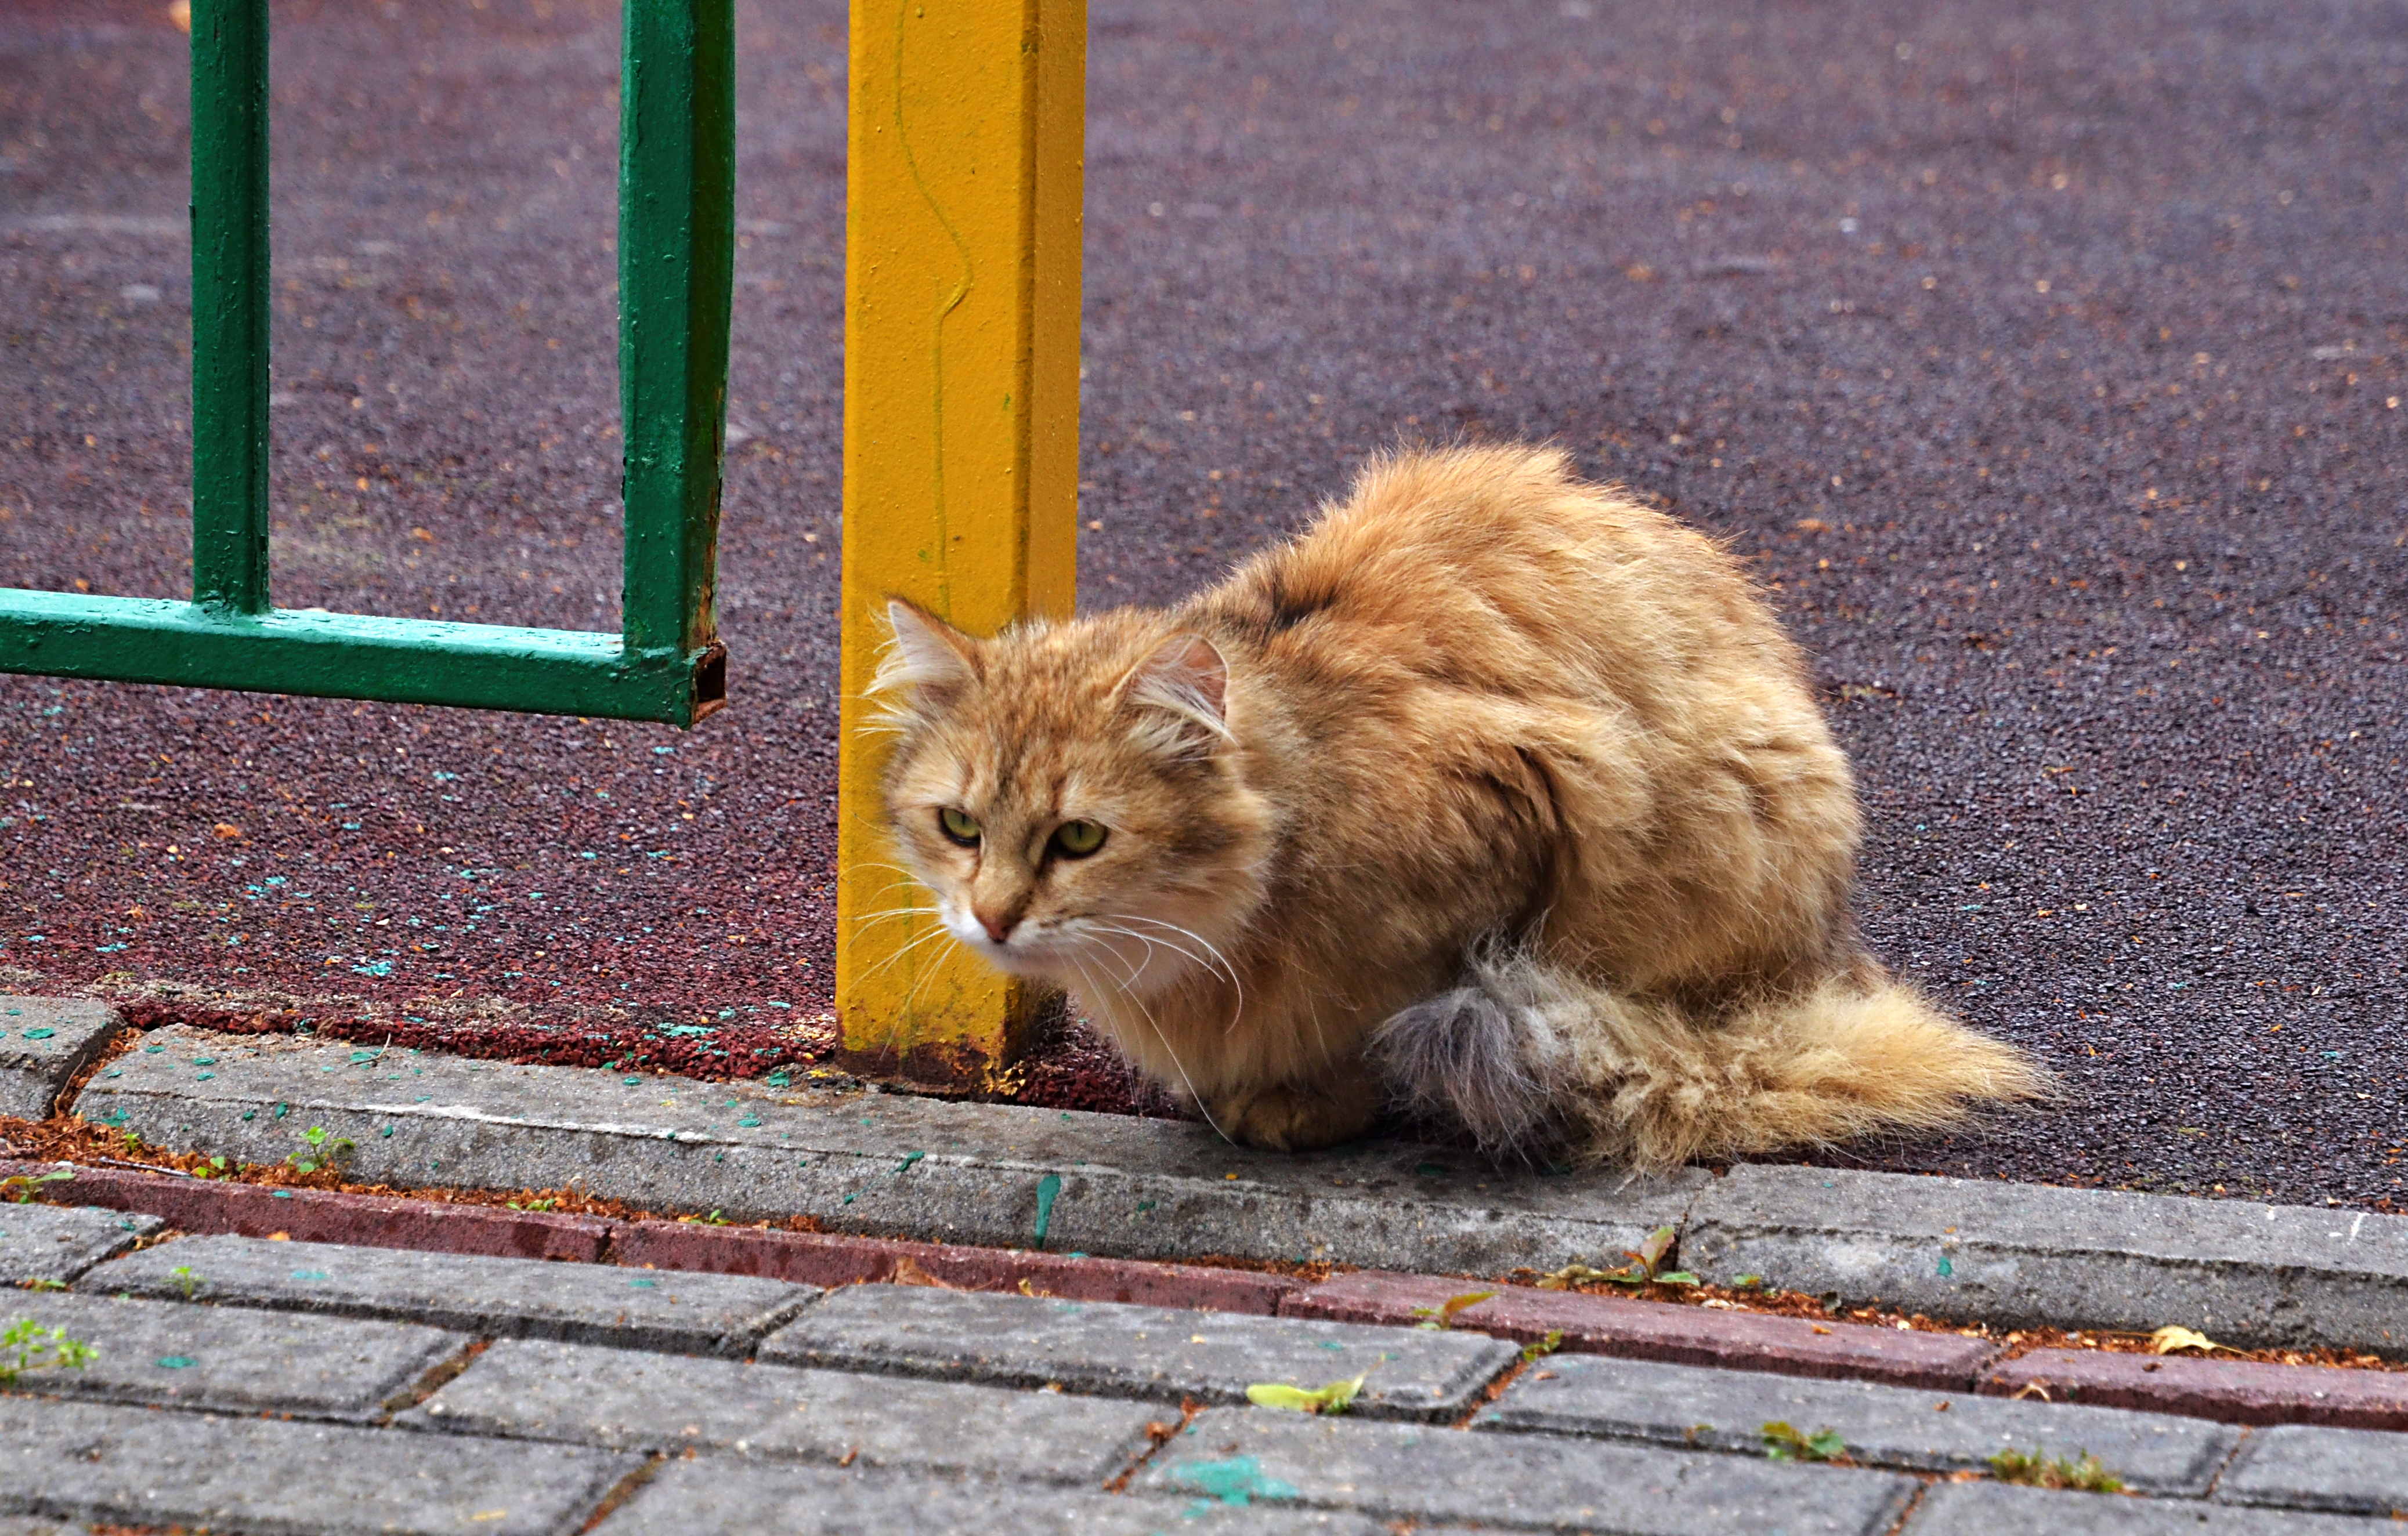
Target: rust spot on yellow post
(961, 440)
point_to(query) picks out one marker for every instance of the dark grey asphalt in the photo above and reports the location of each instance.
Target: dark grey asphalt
(2046, 362)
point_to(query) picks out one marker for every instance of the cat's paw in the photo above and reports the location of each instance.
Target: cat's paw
(1285, 1118)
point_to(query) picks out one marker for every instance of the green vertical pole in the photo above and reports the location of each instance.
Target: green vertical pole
(677, 252)
(230, 300)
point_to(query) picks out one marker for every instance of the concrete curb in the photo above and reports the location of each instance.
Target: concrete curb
(1001, 1176)
(44, 1041)
(2025, 1256)
(995, 1175)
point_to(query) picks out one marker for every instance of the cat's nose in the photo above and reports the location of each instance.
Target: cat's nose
(998, 926)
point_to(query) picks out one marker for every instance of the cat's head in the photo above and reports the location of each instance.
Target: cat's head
(1072, 796)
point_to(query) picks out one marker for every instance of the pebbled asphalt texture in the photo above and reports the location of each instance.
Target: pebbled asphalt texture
(2047, 366)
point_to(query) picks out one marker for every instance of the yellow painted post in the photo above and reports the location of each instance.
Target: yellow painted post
(961, 439)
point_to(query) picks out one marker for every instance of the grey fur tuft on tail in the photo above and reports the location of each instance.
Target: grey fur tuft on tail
(1490, 1056)
(1528, 1054)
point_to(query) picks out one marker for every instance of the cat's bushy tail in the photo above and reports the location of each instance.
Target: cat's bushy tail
(1531, 1057)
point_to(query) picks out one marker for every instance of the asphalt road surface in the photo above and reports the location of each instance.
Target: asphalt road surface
(2047, 365)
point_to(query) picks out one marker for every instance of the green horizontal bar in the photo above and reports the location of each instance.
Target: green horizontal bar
(355, 656)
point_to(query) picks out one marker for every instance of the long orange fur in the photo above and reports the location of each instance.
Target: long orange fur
(1494, 791)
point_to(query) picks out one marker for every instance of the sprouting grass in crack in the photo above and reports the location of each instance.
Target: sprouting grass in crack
(1785, 1442)
(323, 1151)
(2035, 1469)
(26, 1345)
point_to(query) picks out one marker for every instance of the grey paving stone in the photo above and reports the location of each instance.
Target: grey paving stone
(44, 1041)
(526, 1298)
(1130, 1351)
(33, 1525)
(714, 1498)
(186, 1354)
(40, 1242)
(2026, 1254)
(138, 1466)
(1995, 1509)
(1424, 1473)
(632, 1401)
(1884, 1425)
(2359, 1472)
(862, 1161)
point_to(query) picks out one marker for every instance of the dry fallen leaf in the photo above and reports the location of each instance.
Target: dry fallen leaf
(2166, 1341)
(909, 1273)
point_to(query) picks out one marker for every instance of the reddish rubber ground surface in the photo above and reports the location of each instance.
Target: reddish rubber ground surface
(2047, 365)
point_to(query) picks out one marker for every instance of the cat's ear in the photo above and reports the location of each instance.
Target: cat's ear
(927, 653)
(1183, 687)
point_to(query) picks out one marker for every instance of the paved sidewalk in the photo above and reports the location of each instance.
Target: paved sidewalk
(857, 1161)
(319, 1387)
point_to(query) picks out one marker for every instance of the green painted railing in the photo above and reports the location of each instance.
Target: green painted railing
(677, 179)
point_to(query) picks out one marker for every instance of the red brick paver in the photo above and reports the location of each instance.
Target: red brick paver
(2235, 1391)
(319, 1215)
(1658, 1330)
(322, 1215)
(840, 1260)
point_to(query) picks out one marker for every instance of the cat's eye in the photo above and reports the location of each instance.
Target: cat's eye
(1078, 839)
(958, 826)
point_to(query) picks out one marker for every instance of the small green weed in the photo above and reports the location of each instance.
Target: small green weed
(45, 1285)
(2033, 1469)
(1644, 1268)
(1438, 1318)
(187, 1279)
(1785, 1442)
(1539, 1348)
(20, 1188)
(25, 1346)
(323, 1151)
(1336, 1398)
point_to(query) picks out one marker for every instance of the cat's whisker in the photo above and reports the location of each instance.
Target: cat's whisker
(899, 912)
(882, 967)
(1226, 968)
(1152, 943)
(1237, 985)
(1147, 1013)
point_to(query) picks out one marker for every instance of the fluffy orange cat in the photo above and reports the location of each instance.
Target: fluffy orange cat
(1495, 796)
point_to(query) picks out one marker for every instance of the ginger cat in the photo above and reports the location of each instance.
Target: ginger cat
(1494, 796)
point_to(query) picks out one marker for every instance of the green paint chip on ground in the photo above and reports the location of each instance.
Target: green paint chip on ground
(750, 1120)
(283, 1194)
(176, 1362)
(909, 1159)
(1047, 1188)
(386, 1132)
(205, 1061)
(644, 1284)
(204, 1077)
(630, 1082)
(310, 1274)
(39, 1034)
